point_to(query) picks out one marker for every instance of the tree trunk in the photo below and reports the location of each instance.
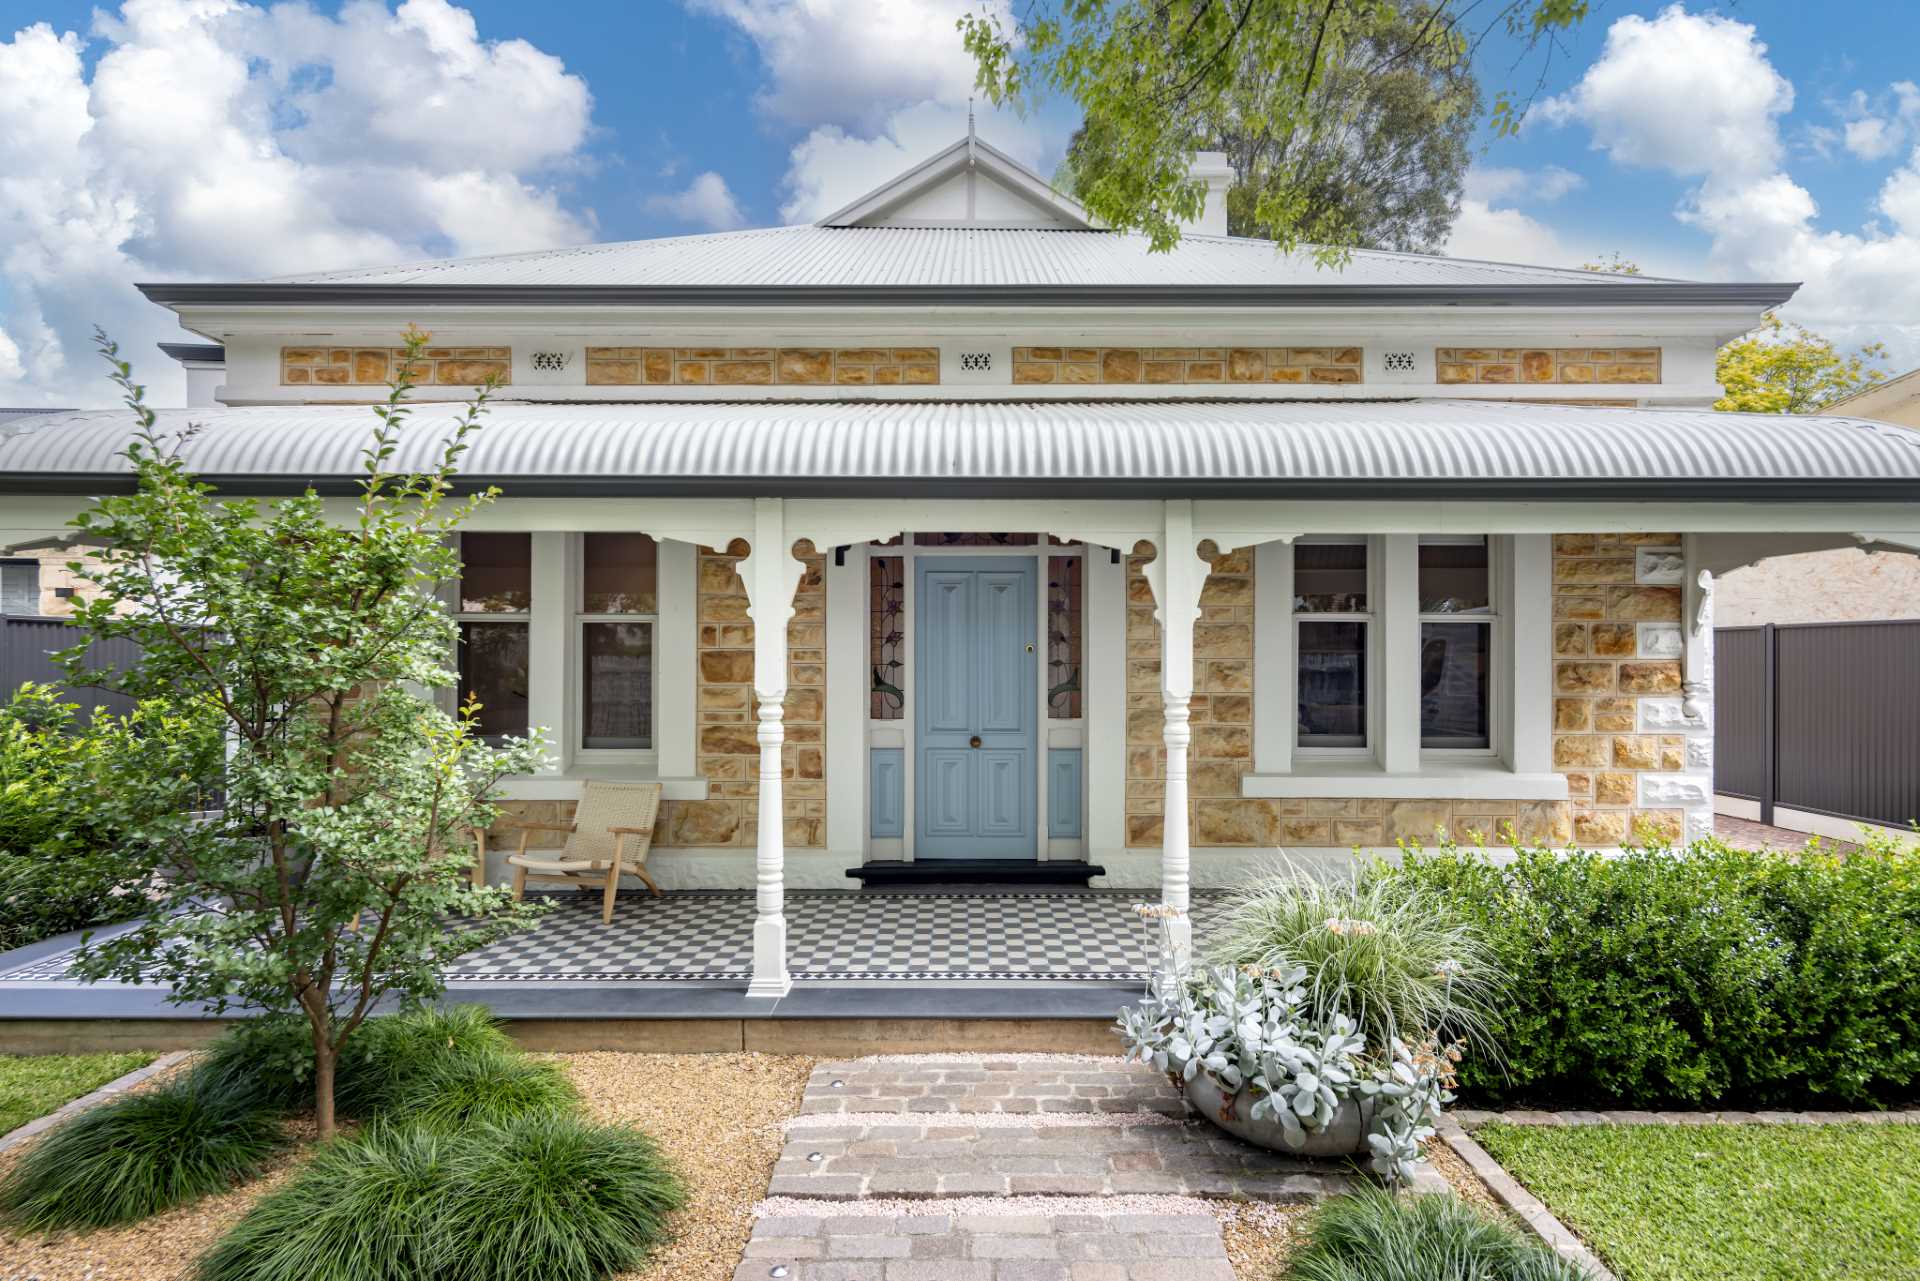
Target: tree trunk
(323, 1085)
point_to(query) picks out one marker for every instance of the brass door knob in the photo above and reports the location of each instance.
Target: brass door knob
(974, 741)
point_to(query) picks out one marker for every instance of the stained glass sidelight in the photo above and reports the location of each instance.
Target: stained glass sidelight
(975, 540)
(1063, 638)
(886, 577)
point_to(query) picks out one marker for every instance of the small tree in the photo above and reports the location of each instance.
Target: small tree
(1783, 368)
(337, 873)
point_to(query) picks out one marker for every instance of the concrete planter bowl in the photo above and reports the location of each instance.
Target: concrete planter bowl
(1346, 1135)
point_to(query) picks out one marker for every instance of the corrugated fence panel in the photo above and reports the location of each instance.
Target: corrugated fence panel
(27, 646)
(1740, 739)
(1849, 720)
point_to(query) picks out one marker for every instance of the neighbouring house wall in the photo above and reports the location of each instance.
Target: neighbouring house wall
(1222, 748)
(1617, 675)
(1838, 586)
(54, 577)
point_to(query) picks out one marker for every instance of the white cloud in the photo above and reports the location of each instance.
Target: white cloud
(216, 139)
(1873, 128)
(1505, 235)
(706, 202)
(880, 87)
(1695, 95)
(1493, 184)
(852, 63)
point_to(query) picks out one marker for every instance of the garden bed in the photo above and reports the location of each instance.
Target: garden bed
(1728, 1202)
(718, 1117)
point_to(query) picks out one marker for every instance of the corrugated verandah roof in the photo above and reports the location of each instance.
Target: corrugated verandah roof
(1229, 447)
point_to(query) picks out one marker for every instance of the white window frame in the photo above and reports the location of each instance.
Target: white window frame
(1371, 618)
(1497, 578)
(524, 617)
(579, 621)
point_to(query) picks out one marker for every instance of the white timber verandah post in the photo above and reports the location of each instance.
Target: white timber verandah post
(770, 573)
(1177, 573)
(1693, 790)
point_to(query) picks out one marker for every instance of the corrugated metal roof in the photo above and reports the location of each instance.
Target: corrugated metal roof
(1304, 448)
(933, 257)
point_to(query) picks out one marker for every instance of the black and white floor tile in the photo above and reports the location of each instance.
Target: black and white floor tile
(832, 935)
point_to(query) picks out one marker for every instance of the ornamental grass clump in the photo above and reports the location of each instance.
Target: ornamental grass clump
(1375, 1236)
(140, 1154)
(489, 1088)
(547, 1197)
(1403, 964)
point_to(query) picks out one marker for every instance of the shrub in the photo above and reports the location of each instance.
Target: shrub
(546, 1197)
(363, 1209)
(137, 1155)
(479, 1089)
(1400, 960)
(553, 1197)
(1661, 977)
(1375, 1236)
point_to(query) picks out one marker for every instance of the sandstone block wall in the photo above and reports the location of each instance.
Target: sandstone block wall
(1616, 670)
(374, 366)
(1548, 365)
(1094, 365)
(762, 366)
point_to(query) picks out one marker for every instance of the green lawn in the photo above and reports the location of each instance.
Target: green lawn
(34, 1085)
(1729, 1202)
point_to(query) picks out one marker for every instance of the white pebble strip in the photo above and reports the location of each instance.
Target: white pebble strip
(1112, 1060)
(781, 1207)
(985, 1120)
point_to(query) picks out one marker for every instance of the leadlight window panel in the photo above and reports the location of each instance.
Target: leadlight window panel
(886, 586)
(621, 574)
(497, 573)
(1064, 642)
(1332, 683)
(493, 674)
(1330, 578)
(974, 539)
(20, 587)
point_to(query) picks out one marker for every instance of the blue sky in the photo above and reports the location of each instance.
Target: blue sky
(221, 139)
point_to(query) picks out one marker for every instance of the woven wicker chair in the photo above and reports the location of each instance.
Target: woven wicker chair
(611, 832)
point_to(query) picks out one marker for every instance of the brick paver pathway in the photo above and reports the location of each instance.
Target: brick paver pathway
(1022, 1168)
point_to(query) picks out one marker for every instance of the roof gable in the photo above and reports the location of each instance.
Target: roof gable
(969, 184)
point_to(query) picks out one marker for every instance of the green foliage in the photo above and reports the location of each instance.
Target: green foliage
(458, 1091)
(1782, 368)
(1376, 1236)
(1729, 1202)
(137, 1155)
(65, 866)
(1708, 975)
(545, 1196)
(32, 1085)
(1378, 163)
(1405, 963)
(303, 636)
(1614, 264)
(1154, 79)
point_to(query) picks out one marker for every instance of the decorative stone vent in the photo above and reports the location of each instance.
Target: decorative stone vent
(976, 362)
(551, 362)
(1397, 362)
(1549, 365)
(762, 366)
(1092, 365)
(371, 366)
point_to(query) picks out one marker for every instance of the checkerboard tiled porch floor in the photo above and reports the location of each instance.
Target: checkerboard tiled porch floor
(1034, 936)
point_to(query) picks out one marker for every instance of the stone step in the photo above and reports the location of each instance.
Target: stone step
(1014, 1084)
(940, 1245)
(921, 1157)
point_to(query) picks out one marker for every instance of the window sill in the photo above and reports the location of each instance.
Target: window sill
(566, 786)
(1480, 781)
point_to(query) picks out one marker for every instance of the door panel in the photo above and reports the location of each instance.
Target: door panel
(976, 738)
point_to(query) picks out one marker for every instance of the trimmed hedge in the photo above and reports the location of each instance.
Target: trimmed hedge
(1710, 975)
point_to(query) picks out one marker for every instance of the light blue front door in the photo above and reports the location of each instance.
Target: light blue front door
(975, 775)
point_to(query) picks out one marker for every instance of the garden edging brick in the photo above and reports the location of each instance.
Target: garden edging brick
(117, 1086)
(1528, 1208)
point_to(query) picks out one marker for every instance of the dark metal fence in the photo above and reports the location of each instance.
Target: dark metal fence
(1821, 717)
(27, 646)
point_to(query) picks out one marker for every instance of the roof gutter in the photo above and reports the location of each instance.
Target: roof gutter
(1571, 294)
(1604, 489)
